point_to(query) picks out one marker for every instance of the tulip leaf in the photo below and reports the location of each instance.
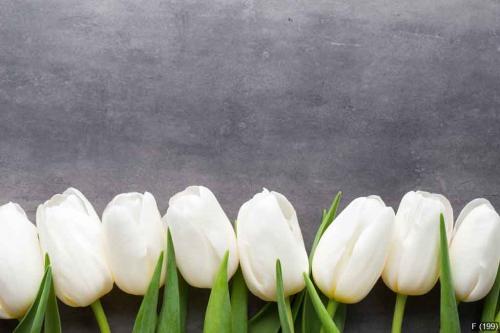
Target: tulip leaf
(449, 319)
(267, 320)
(239, 303)
(32, 321)
(172, 316)
(145, 322)
(340, 315)
(52, 320)
(284, 311)
(327, 322)
(491, 301)
(310, 320)
(218, 314)
(328, 217)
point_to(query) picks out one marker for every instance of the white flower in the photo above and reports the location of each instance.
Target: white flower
(351, 254)
(475, 250)
(135, 238)
(267, 229)
(71, 233)
(21, 262)
(412, 267)
(201, 234)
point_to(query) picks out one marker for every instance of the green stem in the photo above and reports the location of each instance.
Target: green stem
(100, 317)
(497, 318)
(399, 311)
(331, 308)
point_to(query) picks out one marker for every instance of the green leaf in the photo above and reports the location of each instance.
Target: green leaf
(218, 314)
(267, 320)
(52, 319)
(239, 303)
(449, 319)
(183, 296)
(145, 322)
(284, 311)
(310, 320)
(296, 304)
(32, 321)
(327, 219)
(491, 301)
(340, 315)
(327, 322)
(172, 315)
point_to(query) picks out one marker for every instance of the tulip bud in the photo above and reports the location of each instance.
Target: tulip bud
(412, 267)
(71, 233)
(135, 238)
(351, 254)
(267, 230)
(21, 262)
(201, 234)
(475, 250)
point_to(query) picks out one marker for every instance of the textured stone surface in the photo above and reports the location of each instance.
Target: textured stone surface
(303, 97)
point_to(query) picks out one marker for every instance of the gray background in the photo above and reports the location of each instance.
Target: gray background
(303, 97)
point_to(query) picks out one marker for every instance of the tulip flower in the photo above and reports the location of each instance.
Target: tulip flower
(21, 262)
(201, 233)
(475, 250)
(268, 230)
(135, 237)
(351, 254)
(412, 267)
(72, 235)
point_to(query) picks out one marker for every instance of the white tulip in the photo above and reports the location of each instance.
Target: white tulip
(475, 250)
(267, 230)
(134, 240)
(201, 234)
(21, 262)
(71, 233)
(351, 254)
(412, 267)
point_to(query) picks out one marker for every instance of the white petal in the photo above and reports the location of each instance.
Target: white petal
(134, 238)
(475, 250)
(21, 262)
(412, 265)
(351, 254)
(201, 233)
(74, 240)
(268, 230)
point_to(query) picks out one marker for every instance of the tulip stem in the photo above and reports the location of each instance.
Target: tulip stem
(497, 318)
(100, 317)
(399, 311)
(332, 307)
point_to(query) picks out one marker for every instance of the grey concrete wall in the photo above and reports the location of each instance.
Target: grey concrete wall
(303, 97)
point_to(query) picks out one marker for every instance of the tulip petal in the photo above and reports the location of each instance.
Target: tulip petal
(283, 303)
(172, 315)
(145, 321)
(473, 262)
(449, 319)
(218, 314)
(134, 235)
(239, 303)
(202, 233)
